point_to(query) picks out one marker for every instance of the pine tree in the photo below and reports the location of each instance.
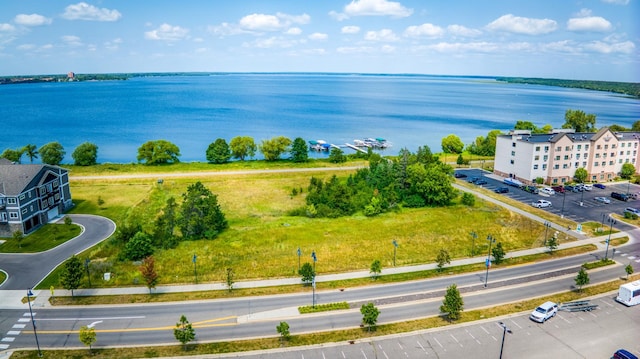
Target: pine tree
(452, 304)
(498, 253)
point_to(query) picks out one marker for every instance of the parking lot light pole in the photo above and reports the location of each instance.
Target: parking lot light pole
(86, 265)
(606, 253)
(488, 262)
(299, 254)
(581, 197)
(395, 247)
(546, 229)
(33, 322)
(505, 330)
(474, 236)
(564, 195)
(195, 268)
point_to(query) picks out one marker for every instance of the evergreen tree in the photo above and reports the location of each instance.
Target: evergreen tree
(629, 270)
(336, 155)
(86, 154)
(498, 253)
(230, 279)
(72, 274)
(299, 150)
(218, 151)
(138, 247)
(369, 315)
(184, 332)
(307, 273)
(165, 224)
(200, 213)
(452, 304)
(552, 243)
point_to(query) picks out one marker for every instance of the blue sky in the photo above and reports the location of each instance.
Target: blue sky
(571, 39)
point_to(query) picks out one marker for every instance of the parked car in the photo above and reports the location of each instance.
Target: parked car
(547, 190)
(530, 189)
(544, 312)
(632, 210)
(541, 203)
(604, 200)
(587, 187)
(599, 185)
(501, 190)
(579, 187)
(473, 179)
(623, 354)
(619, 196)
(480, 182)
(559, 189)
(459, 175)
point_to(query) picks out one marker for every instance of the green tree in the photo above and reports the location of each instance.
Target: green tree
(629, 270)
(635, 126)
(184, 332)
(165, 224)
(498, 253)
(552, 243)
(86, 154)
(200, 213)
(67, 220)
(158, 152)
(31, 151)
(460, 160)
(376, 269)
(12, 155)
(283, 330)
(52, 153)
(148, 272)
(138, 247)
(218, 151)
(468, 199)
(18, 236)
(525, 125)
(243, 147)
(582, 278)
(579, 121)
(369, 315)
(627, 170)
(299, 150)
(71, 274)
(452, 304)
(230, 279)
(272, 149)
(87, 336)
(336, 155)
(443, 258)
(580, 175)
(307, 273)
(452, 144)
(431, 182)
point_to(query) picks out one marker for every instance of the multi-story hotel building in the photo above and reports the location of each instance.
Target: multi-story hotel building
(555, 156)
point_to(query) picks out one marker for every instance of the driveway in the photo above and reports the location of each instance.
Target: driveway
(27, 270)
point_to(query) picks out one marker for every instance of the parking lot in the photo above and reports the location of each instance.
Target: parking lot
(580, 206)
(595, 334)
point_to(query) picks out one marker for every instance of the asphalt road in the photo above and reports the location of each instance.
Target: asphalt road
(27, 270)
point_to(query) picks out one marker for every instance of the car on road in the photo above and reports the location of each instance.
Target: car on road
(459, 175)
(632, 210)
(541, 203)
(559, 189)
(480, 182)
(548, 190)
(545, 311)
(619, 196)
(501, 190)
(599, 185)
(604, 200)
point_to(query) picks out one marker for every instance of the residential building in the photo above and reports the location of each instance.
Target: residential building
(31, 196)
(555, 156)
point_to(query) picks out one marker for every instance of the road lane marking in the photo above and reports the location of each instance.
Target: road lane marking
(385, 354)
(13, 332)
(563, 318)
(90, 318)
(401, 348)
(606, 302)
(474, 338)
(632, 257)
(494, 338)
(343, 356)
(8, 339)
(94, 324)
(18, 326)
(24, 320)
(4, 346)
(149, 329)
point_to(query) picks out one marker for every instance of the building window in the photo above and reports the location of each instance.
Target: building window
(511, 161)
(57, 197)
(611, 163)
(609, 176)
(544, 166)
(594, 178)
(55, 183)
(557, 158)
(577, 156)
(621, 153)
(536, 158)
(622, 144)
(606, 147)
(604, 155)
(584, 164)
(598, 147)
(579, 147)
(577, 164)
(604, 163)
(11, 200)
(546, 148)
(613, 146)
(545, 158)
(565, 166)
(513, 144)
(558, 149)
(43, 204)
(566, 157)
(513, 153)
(586, 147)
(597, 155)
(601, 176)
(13, 215)
(22, 196)
(595, 164)
(24, 211)
(625, 161)
(556, 166)
(628, 153)
(555, 181)
(564, 180)
(567, 148)
(31, 208)
(535, 167)
(537, 148)
(43, 190)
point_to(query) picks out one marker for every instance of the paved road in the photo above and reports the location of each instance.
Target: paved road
(27, 270)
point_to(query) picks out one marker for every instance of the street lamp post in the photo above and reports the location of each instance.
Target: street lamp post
(505, 330)
(546, 228)
(474, 236)
(395, 247)
(488, 262)
(86, 265)
(564, 195)
(195, 268)
(299, 254)
(581, 196)
(602, 226)
(612, 222)
(33, 322)
(313, 279)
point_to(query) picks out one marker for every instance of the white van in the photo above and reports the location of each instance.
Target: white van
(544, 312)
(548, 190)
(629, 294)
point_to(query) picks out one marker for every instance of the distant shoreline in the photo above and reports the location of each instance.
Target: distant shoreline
(625, 88)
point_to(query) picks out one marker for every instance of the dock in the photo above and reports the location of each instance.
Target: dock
(355, 148)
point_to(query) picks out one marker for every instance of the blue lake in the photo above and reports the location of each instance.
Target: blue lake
(193, 111)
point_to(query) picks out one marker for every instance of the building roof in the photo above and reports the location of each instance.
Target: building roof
(16, 178)
(574, 136)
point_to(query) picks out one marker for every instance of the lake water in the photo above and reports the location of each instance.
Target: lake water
(193, 111)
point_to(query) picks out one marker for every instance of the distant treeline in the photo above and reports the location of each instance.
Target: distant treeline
(8, 80)
(627, 88)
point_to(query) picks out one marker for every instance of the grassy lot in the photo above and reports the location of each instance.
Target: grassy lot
(3, 277)
(323, 337)
(262, 240)
(47, 237)
(349, 283)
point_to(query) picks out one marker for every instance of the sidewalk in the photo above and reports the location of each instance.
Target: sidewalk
(12, 299)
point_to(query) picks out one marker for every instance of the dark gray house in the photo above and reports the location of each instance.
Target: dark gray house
(31, 196)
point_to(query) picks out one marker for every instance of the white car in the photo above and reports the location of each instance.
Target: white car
(544, 312)
(541, 203)
(548, 190)
(604, 200)
(587, 187)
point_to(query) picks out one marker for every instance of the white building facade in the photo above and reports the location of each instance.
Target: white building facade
(554, 157)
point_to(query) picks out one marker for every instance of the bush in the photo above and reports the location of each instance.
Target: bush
(468, 199)
(630, 215)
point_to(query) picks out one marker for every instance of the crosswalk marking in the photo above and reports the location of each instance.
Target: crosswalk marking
(13, 332)
(18, 326)
(8, 339)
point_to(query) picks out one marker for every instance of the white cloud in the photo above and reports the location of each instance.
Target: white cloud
(387, 49)
(72, 40)
(350, 29)
(355, 50)
(455, 47)
(424, 30)
(589, 24)
(226, 29)
(265, 22)
(84, 11)
(314, 51)
(523, 25)
(167, 32)
(26, 47)
(625, 47)
(318, 36)
(462, 31)
(338, 16)
(617, 2)
(293, 31)
(376, 8)
(31, 20)
(382, 35)
(7, 27)
(113, 44)
(271, 42)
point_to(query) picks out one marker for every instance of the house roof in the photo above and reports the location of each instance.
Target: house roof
(16, 178)
(576, 136)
